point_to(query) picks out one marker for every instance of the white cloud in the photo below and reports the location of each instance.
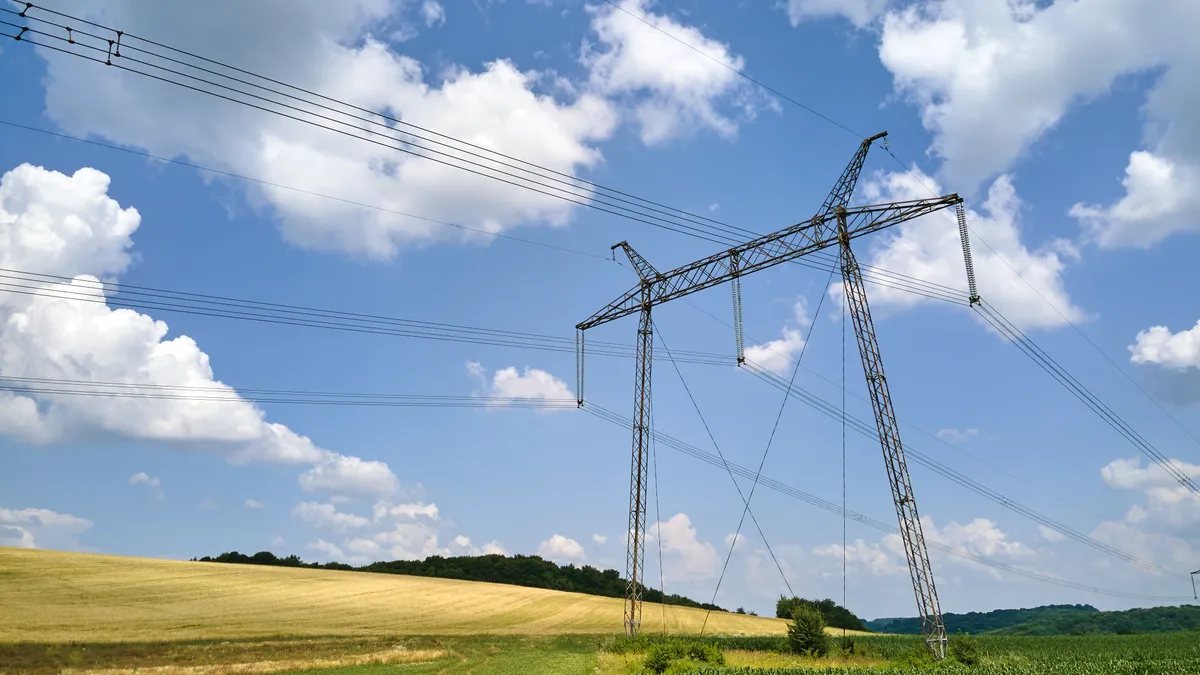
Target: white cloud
(952, 435)
(40, 528)
(685, 556)
(254, 504)
(739, 537)
(433, 13)
(414, 510)
(1158, 345)
(1161, 199)
(69, 226)
(993, 77)
(930, 248)
(599, 538)
(1169, 505)
(345, 475)
(332, 48)
(673, 90)
(327, 550)
(777, 356)
(409, 531)
(871, 558)
(142, 478)
(326, 516)
(857, 12)
(560, 548)
(1050, 534)
(530, 384)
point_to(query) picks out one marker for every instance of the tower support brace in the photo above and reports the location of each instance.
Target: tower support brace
(919, 568)
(639, 474)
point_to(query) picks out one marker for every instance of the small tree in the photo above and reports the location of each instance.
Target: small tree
(806, 633)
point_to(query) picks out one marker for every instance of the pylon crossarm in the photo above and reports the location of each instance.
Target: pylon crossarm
(764, 252)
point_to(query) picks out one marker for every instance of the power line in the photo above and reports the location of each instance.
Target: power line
(826, 505)
(770, 440)
(43, 386)
(670, 218)
(1101, 410)
(868, 431)
(738, 488)
(1085, 396)
(740, 73)
(310, 193)
(569, 189)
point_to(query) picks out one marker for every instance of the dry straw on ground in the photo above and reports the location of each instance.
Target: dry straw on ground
(54, 596)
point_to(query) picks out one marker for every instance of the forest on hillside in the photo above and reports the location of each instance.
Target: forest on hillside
(1057, 620)
(519, 570)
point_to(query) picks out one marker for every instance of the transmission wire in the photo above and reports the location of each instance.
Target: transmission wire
(716, 446)
(774, 428)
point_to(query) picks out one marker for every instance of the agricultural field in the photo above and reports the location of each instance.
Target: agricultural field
(56, 596)
(78, 614)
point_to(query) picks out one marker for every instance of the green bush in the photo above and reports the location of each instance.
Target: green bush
(965, 649)
(681, 656)
(806, 632)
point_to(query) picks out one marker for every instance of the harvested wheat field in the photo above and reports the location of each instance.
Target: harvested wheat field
(57, 596)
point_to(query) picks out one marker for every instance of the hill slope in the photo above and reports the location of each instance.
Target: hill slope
(1141, 620)
(57, 596)
(1058, 620)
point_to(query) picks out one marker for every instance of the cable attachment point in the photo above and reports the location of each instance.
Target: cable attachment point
(24, 29)
(118, 52)
(70, 36)
(108, 56)
(28, 6)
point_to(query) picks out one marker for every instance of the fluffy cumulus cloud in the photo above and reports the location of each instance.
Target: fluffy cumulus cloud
(326, 516)
(561, 549)
(991, 77)
(930, 248)
(63, 329)
(980, 537)
(686, 557)
(599, 538)
(1158, 345)
(858, 12)
(1171, 361)
(672, 90)
(1163, 526)
(862, 556)
(40, 528)
(391, 531)
(530, 383)
(778, 355)
(332, 48)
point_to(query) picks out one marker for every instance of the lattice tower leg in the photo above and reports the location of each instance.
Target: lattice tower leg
(638, 475)
(915, 550)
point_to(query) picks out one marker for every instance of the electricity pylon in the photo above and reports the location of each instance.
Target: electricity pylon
(835, 224)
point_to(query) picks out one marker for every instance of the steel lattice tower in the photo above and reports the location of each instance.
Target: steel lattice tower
(835, 225)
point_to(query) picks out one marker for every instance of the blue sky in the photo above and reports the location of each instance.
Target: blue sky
(1076, 150)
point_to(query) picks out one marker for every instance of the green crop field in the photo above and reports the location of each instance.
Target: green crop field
(78, 614)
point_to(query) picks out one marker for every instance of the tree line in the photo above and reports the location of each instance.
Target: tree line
(833, 614)
(1057, 620)
(518, 570)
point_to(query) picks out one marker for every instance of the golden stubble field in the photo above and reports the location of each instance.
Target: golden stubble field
(59, 597)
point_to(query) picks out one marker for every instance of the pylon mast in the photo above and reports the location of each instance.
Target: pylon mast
(834, 225)
(911, 533)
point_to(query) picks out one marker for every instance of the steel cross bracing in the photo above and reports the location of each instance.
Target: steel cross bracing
(834, 225)
(915, 550)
